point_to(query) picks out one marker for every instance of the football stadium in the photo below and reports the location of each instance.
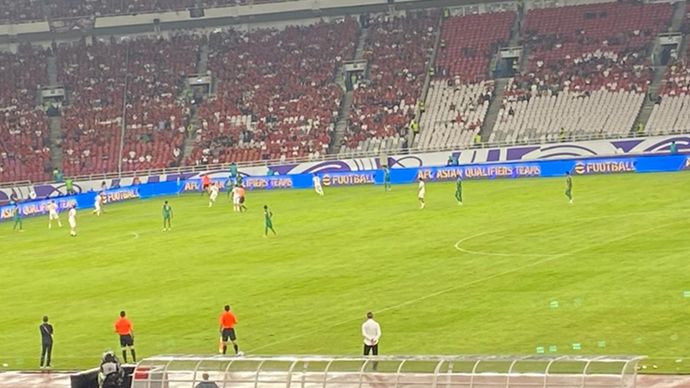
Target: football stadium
(344, 193)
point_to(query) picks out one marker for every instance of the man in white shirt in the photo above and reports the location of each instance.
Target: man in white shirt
(317, 185)
(53, 214)
(371, 331)
(72, 219)
(421, 191)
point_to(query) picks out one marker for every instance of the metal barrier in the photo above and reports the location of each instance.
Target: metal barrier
(388, 371)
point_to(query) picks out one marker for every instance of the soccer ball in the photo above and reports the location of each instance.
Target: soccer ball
(240, 353)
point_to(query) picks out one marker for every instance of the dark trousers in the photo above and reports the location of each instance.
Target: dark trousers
(374, 350)
(46, 350)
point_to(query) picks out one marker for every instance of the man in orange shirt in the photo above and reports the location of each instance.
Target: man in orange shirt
(227, 330)
(124, 328)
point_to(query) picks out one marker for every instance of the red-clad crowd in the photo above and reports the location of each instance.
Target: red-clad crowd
(590, 47)
(398, 51)
(153, 72)
(156, 113)
(469, 42)
(94, 74)
(677, 78)
(33, 10)
(24, 133)
(276, 94)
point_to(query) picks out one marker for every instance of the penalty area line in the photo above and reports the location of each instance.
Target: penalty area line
(468, 284)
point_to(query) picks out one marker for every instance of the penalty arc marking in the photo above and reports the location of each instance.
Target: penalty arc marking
(458, 246)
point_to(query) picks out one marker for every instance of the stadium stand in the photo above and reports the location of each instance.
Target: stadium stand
(583, 57)
(34, 10)
(458, 100)
(276, 96)
(156, 112)
(672, 109)
(24, 134)
(20, 11)
(152, 71)
(95, 77)
(468, 42)
(398, 51)
(455, 113)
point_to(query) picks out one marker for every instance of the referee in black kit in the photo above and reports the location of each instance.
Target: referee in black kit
(46, 330)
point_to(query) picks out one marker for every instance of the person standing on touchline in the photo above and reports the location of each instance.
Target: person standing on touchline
(125, 329)
(46, 342)
(227, 330)
(371, 331)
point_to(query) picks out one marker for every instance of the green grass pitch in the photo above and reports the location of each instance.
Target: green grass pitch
(481, 278)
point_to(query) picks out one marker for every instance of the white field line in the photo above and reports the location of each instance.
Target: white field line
(471, 283)
(484, 253)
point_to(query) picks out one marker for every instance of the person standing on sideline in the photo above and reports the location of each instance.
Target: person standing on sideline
(125, 329)
(227, 330)
(46, 330)
(371, 331)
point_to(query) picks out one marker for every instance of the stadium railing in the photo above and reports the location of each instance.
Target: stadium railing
(331, 157)
(387, 371)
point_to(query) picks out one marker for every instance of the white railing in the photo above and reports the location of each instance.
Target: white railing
(388, 371)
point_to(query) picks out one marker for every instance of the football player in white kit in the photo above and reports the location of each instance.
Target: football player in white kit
(421, 191)
(213, 194)
(236, 204)
(53, 215)
(98, 205)
(317, 185)
(72, 219)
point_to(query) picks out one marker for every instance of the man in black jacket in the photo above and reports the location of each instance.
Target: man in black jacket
(46, 330)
